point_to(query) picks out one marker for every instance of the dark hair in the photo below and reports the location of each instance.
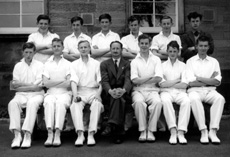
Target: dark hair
(173, 44)
(166, 17)
(76, 18)
(83, 41)
(194, 15)
(43, 17)
(57, 40)
(29, 45)
(134, 18)
(203, 38)
(116, 42)
(144, 36)
(105, 16)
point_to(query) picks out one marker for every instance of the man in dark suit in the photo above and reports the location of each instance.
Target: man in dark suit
(115, 73)
(189, 39)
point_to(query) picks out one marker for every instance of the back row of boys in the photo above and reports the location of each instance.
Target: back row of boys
(87, 77)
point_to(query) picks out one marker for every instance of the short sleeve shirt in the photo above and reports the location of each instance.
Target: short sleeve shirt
(39, 40)
(57, 71)
(71, 43)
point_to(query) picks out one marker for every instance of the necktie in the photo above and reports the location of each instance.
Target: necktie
(196, 33)
(116, 67)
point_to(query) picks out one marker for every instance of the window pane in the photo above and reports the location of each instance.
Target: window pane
(145, 7)
(143, 0)
(10, 21)
(146, 21)
(165, 0)
(9, 7)
(32, 7)
(165, 8)
(29, 20)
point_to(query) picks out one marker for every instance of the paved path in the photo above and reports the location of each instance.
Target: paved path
(130, 148)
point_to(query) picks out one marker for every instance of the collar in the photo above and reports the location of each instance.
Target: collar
(74, 36)
(139, 33)
(101, 34)
(23, 60)
(47, 34)
(198, 58)
(118, 60)
(52, 58)
(169, 61)
(161, 33)
(89, 58)
(139, 55)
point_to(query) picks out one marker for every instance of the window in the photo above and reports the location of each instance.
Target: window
(150, 12)
(19, 16)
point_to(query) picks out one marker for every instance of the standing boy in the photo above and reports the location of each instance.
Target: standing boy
(189, 39)
(101, 41)
(70, 51)
(160, 41)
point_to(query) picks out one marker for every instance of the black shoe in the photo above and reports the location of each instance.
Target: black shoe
(107, 131)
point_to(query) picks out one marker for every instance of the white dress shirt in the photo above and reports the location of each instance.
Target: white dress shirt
(57, 71)
(196, 67)
(160, 41)
(86, 74)
(39, 40)
(71, 43)
(140, 68)
(103, 41)
(130, 42)
(28, 73)
(173, 72)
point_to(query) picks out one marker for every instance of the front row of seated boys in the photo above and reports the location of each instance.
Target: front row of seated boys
(73, 85)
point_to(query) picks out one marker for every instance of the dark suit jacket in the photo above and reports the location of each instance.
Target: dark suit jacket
(188, 40)
(110, 79)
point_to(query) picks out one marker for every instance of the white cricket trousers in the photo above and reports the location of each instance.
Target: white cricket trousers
(211, 97)
(55, 106)
(182, 99)
(96, 108)
(144, 103)
(29, 101)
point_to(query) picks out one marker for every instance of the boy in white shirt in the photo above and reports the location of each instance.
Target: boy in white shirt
(86, 88)
(27, 78)
(203, 74)
(56, 77)
(101, 41)
(173, 89)
(161, 40)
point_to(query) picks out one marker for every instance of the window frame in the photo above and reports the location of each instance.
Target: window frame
(22, 30)
(180, 18)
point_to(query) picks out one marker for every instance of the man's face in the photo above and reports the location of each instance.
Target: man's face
(116, 50)
(202, 47)
(166, 24)
(134, 26)
(172, 52)
(84, 48)
(195, 23)
(105, 24)
(144, 45)
(76, 26)
(57, 48)
(43, 25)
(28, 54)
